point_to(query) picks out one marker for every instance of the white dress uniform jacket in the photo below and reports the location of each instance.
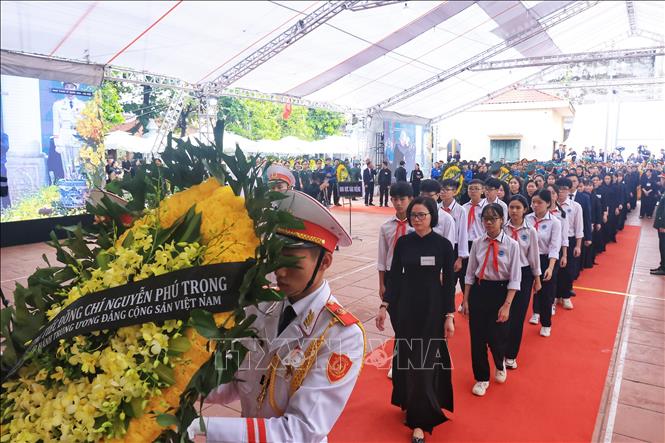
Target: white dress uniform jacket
(66, 114)
(281, 400)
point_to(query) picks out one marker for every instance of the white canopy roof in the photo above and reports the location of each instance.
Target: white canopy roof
(357, 59)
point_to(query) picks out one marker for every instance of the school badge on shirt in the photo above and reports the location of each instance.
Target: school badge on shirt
(338, 366)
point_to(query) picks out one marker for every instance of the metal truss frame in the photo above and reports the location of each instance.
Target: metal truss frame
(277, 45)
(364, 5)
(600, 83)
(545, 23)
(630, 10)
(547, 60)
(145, 78)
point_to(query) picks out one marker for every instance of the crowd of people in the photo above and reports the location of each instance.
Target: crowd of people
(512, 240)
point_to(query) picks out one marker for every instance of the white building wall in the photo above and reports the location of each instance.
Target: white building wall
(536, 128)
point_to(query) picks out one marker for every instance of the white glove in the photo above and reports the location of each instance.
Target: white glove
(195, 429)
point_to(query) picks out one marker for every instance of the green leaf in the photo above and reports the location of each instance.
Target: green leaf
(165, 420)
(165, 374)
(179, 344)
(204, 323)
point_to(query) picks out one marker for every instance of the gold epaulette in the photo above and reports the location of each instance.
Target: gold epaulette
(341, 314)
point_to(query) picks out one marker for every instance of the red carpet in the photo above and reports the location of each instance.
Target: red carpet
(555, 393)
(359, 206)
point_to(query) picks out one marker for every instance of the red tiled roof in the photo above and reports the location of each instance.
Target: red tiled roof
(523, 96)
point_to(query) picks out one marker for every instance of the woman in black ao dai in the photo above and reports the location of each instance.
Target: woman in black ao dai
(425, 308)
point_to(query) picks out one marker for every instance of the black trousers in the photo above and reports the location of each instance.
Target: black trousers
(648, 205)
(416, 188)
(459, 276)
(543, 299)
(569, 274)
(369, 193)
(383, 192)
(661, 246)
(335, 192)
(485, 299)
(392, 307)
(518, 312)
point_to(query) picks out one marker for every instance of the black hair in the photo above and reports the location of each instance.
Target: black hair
(556, 202)
(431, 206)
(506, 191)
(402, 163)
(429, 185)
(573, 175)
(401, 189)
(495, 207)
(564, 182)
(450, 183)
(544, 195)
(476, 181)
(520, 198)
(493, 183)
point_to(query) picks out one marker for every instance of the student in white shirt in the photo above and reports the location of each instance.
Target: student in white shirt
(492, 279)
(548, 227)
(526, 237)
(566, 245)
(390, 231)
(492, 186)
(450, 205)
(446, 225)
(474, 225)
(575, 234)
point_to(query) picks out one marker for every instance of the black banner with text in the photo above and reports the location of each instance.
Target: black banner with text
(171, 296)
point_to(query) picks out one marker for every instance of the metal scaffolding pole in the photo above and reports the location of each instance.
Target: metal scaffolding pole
(630, 9)
(601, 83)
(561, 59)
(276, 45)
(545, 23)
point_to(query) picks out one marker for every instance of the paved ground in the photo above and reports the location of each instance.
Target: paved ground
(633, 405)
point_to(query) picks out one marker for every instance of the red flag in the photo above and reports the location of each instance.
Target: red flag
(287, 111)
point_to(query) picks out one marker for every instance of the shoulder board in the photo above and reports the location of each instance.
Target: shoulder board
(341, 314)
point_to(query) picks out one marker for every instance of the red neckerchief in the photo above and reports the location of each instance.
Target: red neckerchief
(494, 247)
(472, 215)
(400, 230)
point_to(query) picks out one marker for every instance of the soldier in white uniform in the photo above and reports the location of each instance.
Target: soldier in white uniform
(66, 114)
(280, 178)
(298, 375)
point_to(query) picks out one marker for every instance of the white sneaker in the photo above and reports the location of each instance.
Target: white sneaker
(500, 376)
(535, 319)
(553, 310)
(545, 331)
(480, 388)
(390, 373)
(567, 304)
(510, 363)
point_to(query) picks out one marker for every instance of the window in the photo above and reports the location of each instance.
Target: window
(506, 150)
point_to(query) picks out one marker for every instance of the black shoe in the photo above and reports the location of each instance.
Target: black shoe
(572, 294)
(658, 272)
(337, 204)
(417, 440)
(655, 269)
(371, 204)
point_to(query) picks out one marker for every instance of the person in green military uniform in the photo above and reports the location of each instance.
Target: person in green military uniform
(659, 223)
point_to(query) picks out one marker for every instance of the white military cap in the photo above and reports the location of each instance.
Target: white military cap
(321, 228)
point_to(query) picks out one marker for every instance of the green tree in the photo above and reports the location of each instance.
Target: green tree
(111, 107)
(258, 120)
